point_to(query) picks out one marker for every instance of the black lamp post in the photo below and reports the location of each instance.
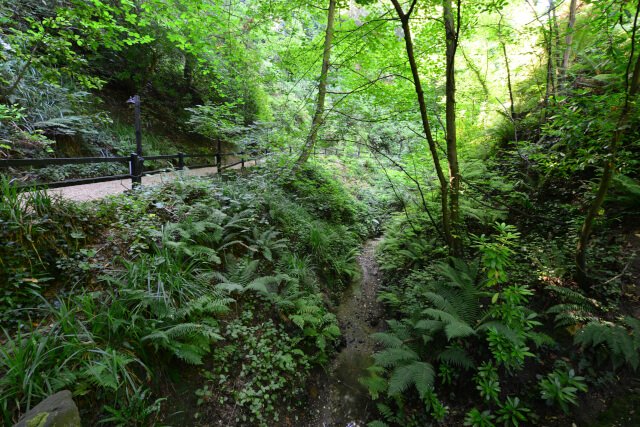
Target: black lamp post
(136, 158)
(135, 100)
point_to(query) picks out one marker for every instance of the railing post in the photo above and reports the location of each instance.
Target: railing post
(219, 157)
(289, 150)
(135, 169)
(242, 160)
(180, 161)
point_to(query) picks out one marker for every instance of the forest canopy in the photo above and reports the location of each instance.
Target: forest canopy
(493, 146)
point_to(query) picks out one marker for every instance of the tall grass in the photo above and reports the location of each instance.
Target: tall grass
(36, 229)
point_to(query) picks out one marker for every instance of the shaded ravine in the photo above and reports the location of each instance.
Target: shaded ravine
(340, 399)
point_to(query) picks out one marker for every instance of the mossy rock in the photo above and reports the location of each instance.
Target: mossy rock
(58, 410)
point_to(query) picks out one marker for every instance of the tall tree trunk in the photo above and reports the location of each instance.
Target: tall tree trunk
(451, 35)
(506, 63)
(548, 39)
(322, 88)
(444, 185)
(568, 39)
(610, 165)
(187, 71)
(152, 66)
(550, 73)
(555, 35)
(474, 68)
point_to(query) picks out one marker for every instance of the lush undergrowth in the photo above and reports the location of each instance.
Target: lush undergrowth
(233, 274)
(503, 336)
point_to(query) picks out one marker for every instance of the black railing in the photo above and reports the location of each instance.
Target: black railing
(136, 165)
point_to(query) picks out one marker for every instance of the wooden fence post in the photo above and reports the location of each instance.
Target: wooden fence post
(242, 160)
(180, 161)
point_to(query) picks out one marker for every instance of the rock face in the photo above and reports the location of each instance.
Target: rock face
(58, 410)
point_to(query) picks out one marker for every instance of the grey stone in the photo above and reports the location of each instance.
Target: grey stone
(58, 410)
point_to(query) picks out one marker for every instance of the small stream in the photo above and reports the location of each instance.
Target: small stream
(341, 400)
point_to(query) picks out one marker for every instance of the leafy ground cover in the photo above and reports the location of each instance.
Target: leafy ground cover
(233, 275)
(505, 336)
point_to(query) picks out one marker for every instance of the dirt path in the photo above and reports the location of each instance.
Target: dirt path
(340, 399)
(88, 192)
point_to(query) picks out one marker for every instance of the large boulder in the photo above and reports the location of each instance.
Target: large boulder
(58, 410)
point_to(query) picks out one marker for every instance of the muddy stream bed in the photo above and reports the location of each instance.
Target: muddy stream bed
(339, 399)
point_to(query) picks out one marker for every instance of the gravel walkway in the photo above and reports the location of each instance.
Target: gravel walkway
(87, 192)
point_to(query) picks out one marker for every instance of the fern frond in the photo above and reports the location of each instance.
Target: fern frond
(540, 339)
(430, 326)
(458, 330)
(576, 309)
(400, 329)
(157, 338)
(460, 275)
(229, 287)
(298, 320)
(385, 411)
(387, 339)
(420, 374)
(439, 301)
(614, 337)
(395, 356)
(189, 353)
(207, 304)
(375, 384)
(441, 315)
(260, 285)
(635, 325)
(456, 356)
(63, 379)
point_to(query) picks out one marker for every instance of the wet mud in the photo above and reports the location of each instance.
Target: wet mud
(340, 399)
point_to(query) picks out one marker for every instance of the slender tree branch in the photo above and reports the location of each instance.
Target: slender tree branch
(21, 73)
(515, 132)
(511, 208)
(416, 182)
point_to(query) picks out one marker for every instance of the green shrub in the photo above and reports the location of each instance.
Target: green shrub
(37, 230)
(560, 387)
